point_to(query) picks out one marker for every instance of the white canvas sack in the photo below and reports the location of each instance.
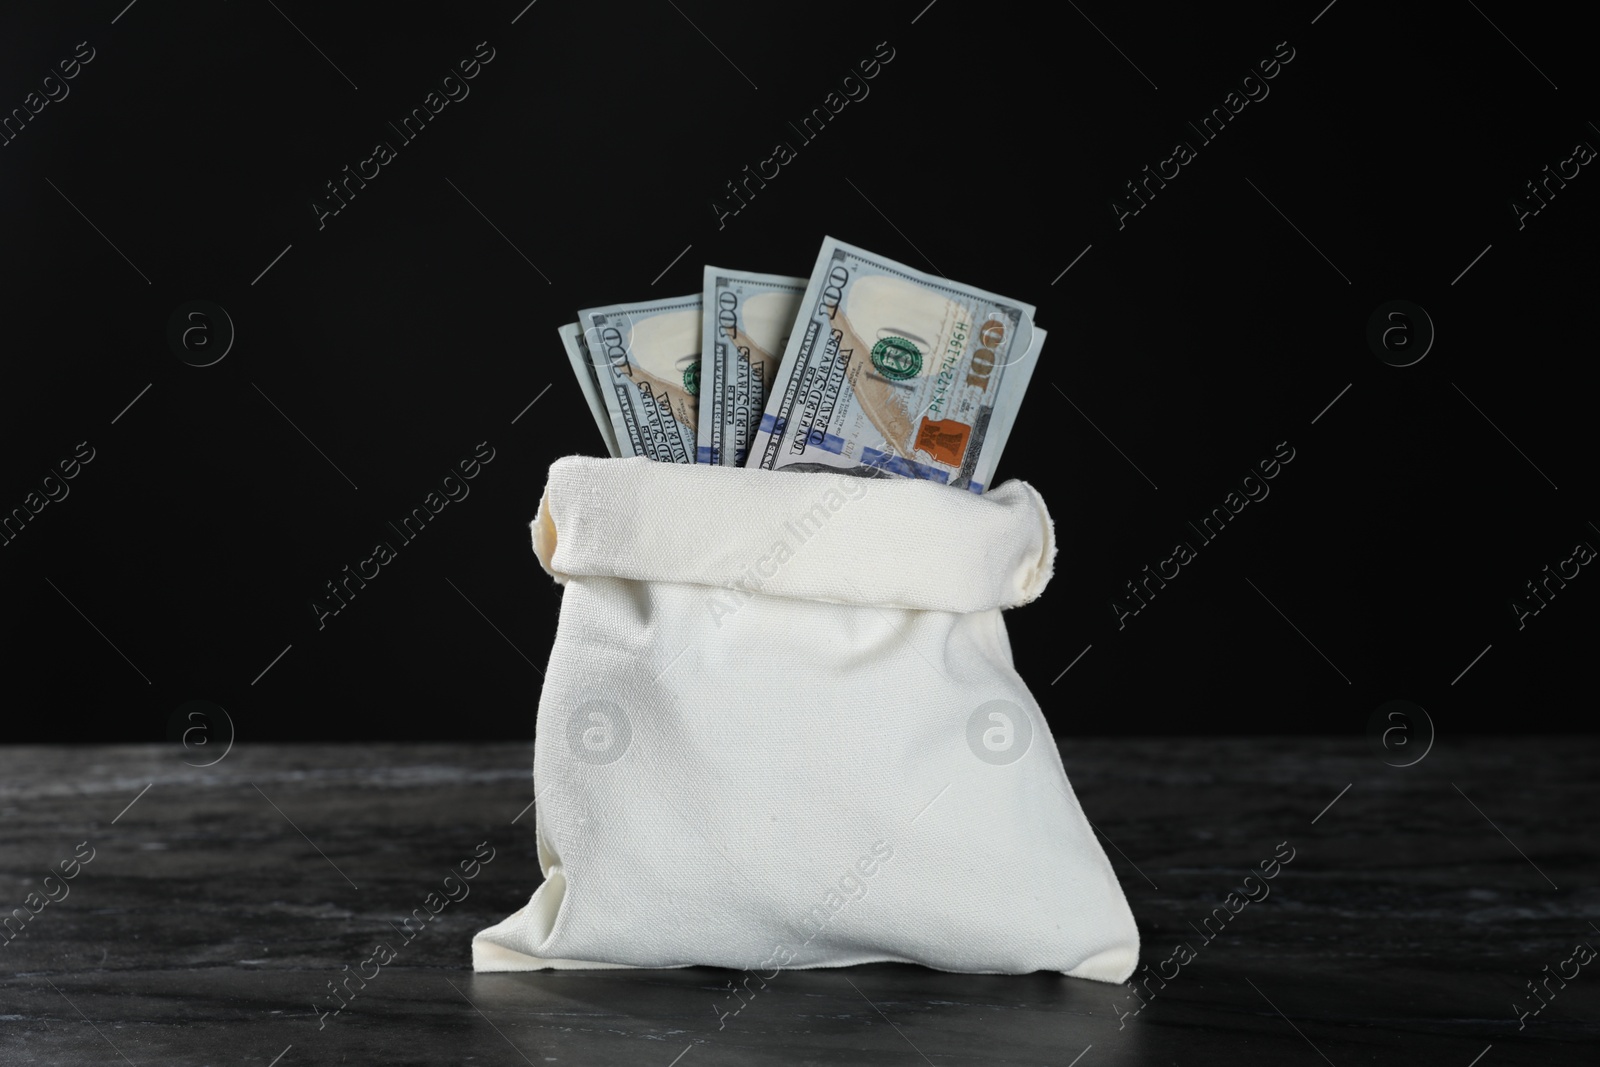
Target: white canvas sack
(781, 729)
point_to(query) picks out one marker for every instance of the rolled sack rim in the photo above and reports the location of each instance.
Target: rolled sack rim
(602, 518)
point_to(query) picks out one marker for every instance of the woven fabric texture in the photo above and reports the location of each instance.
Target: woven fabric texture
(781, 728)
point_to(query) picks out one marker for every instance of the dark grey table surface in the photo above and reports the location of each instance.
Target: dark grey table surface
(217, 908)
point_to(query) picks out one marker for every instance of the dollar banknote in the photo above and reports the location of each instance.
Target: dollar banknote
(744, 330)
(893, 372)
(646, 358)
(589, 382)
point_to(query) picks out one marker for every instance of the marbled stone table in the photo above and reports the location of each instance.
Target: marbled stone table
(1418, 906)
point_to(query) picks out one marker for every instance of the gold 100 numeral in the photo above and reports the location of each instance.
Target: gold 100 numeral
(993, 332)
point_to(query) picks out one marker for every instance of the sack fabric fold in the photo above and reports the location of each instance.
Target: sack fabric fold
(781, 728)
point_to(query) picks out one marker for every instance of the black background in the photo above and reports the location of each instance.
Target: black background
(407, 329)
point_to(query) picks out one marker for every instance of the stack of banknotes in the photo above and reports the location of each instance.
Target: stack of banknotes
(868, 368)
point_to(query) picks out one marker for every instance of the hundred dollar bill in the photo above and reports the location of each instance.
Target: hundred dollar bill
(890, 371)
(743, 332)
(589, 382)
(646, 358)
